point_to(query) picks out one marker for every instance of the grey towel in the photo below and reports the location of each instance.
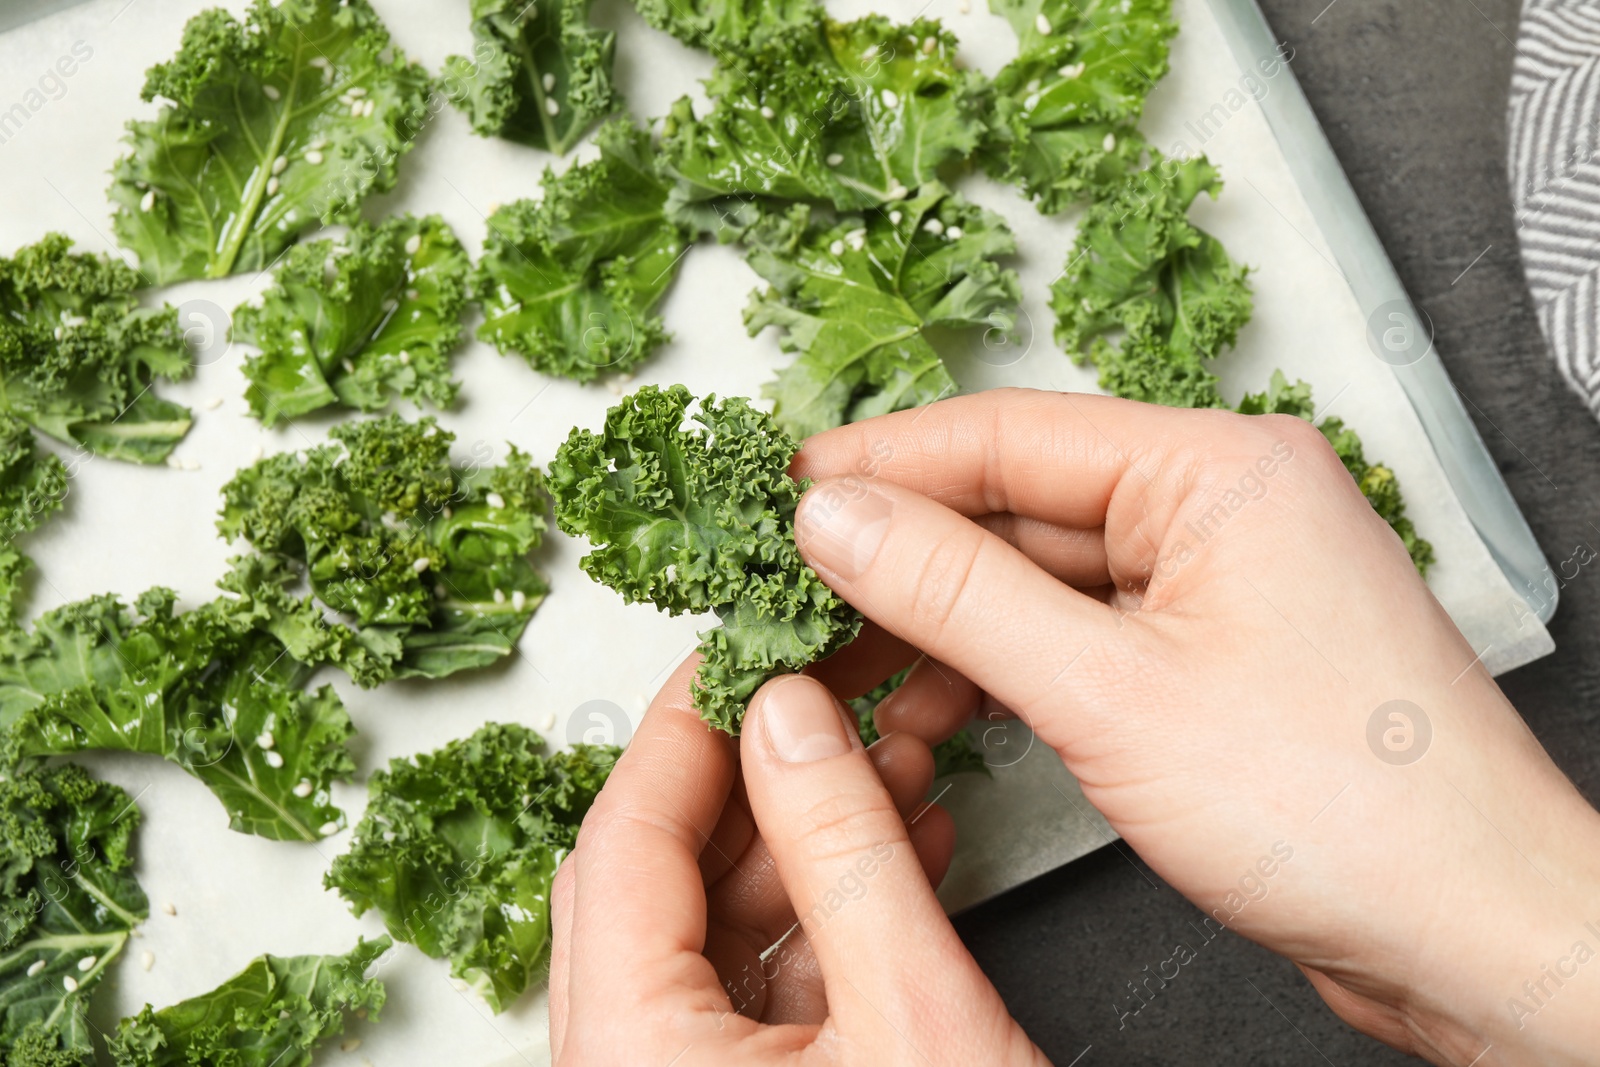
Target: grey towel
(1555, 178)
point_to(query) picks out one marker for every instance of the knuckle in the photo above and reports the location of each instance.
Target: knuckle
(942, 579)
(840, 826)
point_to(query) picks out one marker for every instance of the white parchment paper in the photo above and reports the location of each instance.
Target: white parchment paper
(127, 528)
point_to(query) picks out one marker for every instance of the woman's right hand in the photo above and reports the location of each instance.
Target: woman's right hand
(1202, 614)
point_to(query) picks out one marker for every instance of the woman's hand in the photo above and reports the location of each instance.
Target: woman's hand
(684, 875)
(1201, 613)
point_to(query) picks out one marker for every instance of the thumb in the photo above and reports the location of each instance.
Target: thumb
(882, 942)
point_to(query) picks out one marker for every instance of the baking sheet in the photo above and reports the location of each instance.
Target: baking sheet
(127, 528)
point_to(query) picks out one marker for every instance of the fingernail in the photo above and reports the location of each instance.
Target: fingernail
(842, 526)
(802, 721)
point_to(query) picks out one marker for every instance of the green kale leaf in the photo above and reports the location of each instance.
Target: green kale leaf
(857, 114)
(78, 356)
(570, 281)
(458, 848)
(351, 322)
(68, 904)
(33, 485)
(273, 125)
(274, 1013)
(1378, 483)
(540, 73)
(1064, 110)
(727, 25)
(1139, 266)
(429, 559)
(954, 755)
(855, 299)
(702, 520)
(210, 690)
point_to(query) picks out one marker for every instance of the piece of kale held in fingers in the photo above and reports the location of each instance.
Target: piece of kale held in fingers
(1062, 123)
(540, 73)
(355, 322)
(855, 299)
(69, 902)
(458, 849)
(702, 519)
(427, 558)
(570, 282)
(269, 127)
(79, 357)
(1142, 272)
(274, 1013)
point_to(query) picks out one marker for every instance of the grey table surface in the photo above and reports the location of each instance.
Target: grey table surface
(1412, 94)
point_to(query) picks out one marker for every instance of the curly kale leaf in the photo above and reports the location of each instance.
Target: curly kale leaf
(351, 322)
(78, 356)
(954, 755)
(286, 120)
(458, 848)
(68, 904)
(720, 25)
(429, 559)
(1064, 110)
(210, 690)
(1378, 483)
(702, 520)
(857, 114)
(33, 485)
(274, 1013)
(854, 300)
(570, 281)
(1139, 266)
(540, 73)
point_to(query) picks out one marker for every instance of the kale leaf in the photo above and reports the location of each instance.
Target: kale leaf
(570, 281)
(210, 690)
(78, 356)
(429, 559)
(1140, 266)
(855, 298)
(458, 848)
(1378, 483)
(275, 124)
(351, 322)
(857, 114)
(726, 25)
(1064, 110)
(540, 73)
(274, 1013)
(68, 904)
(702, 520)
(33, 485)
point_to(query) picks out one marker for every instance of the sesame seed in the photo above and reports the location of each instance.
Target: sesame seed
(357, 90)
(834, 159)
(302, 788)
(265, 739)
(547, 723)
(549, 82)
(412, 294)
(895, 217)
(519, 599)
(495, 500)
(279, 164)
(1042, 24)
(420, 564)
(965, 7)
(899, 192)
(88, 962)
(272, 187)
(954, 233)
(314, 157)
(440, 591)
(929, 45)
(372, 105)
(356, 110)
(405, 358)
(350, 1044)
(552, 106)
(69, 983)
(837, 248)
(413, 244)
(891, 98)
(147, 201)
(870, 54)
(35, 967)
(499, 596)
(349, 367)
(933, 226)
(271, 92)
(320, 62)
(328, 828)
(1071, 70)
(274, 759)
(1110, 143)
(768, 113)
(170, 908)
(147, 959)
(256, 453)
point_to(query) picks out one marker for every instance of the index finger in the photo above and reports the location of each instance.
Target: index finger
(1008, 450)
(640, 894)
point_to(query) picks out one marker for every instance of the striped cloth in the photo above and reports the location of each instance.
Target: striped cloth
(1555, 179)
